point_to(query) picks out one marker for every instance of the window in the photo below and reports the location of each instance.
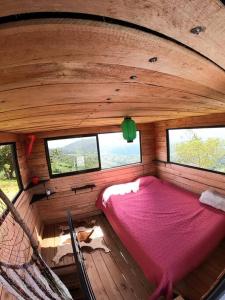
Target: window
(70, 155)
(202, 148)
(115, 151)
(10, 181)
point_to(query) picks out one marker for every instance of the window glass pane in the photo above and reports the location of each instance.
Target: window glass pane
(8, 177)
(73, 154)
(201, 147)
(115, 151)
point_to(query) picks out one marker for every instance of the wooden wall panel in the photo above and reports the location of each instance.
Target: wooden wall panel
(27, 212)
(83, 203)
(188, 178)
(22, 160)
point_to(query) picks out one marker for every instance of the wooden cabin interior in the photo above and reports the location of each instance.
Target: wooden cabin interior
(75, 70)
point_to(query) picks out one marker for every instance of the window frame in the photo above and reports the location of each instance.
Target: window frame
(74, 172)
(98, 151)
(17, 170)
(188, 166)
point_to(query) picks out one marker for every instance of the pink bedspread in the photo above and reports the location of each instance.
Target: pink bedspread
(165, 228)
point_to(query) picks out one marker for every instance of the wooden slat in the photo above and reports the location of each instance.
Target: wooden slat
(95, 278)
(74, 73)
(106, 277)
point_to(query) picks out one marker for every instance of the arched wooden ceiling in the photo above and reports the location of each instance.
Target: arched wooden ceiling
(61, 73)
(175, 19)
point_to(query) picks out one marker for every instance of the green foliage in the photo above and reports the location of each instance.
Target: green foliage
(10, 187)
(8, 182)
(207, 154)
(6, 162)
(63, 162)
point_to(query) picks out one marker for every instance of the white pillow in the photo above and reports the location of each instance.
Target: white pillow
(213, 199)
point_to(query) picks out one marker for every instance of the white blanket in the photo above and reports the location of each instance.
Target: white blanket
(213, 199)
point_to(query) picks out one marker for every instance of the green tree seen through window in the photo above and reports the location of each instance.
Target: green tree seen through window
(8, 180)
(203, 153)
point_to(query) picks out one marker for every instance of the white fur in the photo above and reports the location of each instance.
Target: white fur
(213, 199)
(120, 189)
(64, 247)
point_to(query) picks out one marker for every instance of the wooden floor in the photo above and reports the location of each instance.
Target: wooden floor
(198, 282)
(116, 275)
(50, 242)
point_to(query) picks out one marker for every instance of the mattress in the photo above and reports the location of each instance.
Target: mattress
(165, 228)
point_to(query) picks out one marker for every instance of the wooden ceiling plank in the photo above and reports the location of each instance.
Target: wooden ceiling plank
(98, 113)
(106, 43)
(71, 121)
(159, 108)
(60, 94)
(34, 75)
(174, 19)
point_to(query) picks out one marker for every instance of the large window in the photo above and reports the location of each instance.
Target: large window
(202, 148)
(115, 151)
(10, 181)
(71, 155)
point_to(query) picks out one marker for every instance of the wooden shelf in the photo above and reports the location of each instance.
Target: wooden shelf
(37, 197)
(40, 197)
(84, 187)
(31, 185)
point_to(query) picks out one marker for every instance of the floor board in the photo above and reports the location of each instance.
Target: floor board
(198, 282)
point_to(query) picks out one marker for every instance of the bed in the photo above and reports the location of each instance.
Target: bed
(165, 228)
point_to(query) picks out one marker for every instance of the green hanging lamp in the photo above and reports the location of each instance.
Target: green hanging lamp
(129, 129)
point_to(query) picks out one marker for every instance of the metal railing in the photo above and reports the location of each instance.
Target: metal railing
(217, 292)
(78, 256)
